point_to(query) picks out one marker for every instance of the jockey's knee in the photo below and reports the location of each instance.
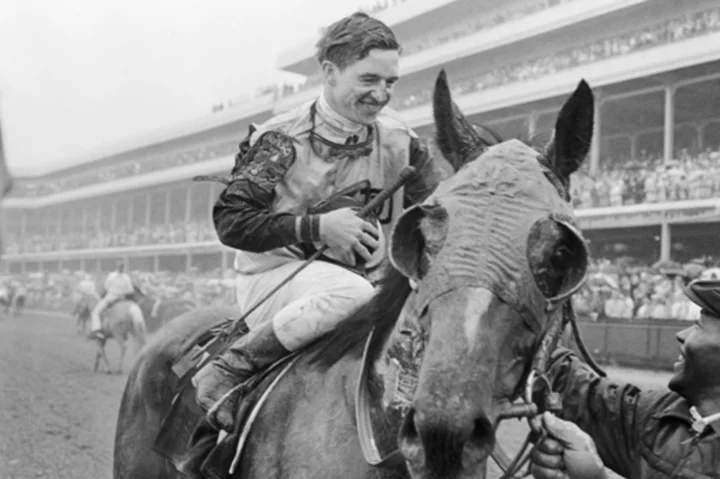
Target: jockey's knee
(360, 288)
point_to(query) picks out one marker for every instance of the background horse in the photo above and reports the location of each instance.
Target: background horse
(81, 311)
(121, 320)
(479, 272)
(158, 312)
(12, 297)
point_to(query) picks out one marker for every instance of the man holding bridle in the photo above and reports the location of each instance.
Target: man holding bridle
(671, 433)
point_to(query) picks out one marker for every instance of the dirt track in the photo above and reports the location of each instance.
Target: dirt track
(57, 417)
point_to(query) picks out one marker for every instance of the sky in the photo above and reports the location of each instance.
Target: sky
(77, 75)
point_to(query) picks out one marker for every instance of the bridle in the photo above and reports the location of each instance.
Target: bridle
(558, 319)
(538, 376)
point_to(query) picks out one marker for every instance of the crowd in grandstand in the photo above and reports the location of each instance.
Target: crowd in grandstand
(631, 292)
(669, 31)
(615, 290)
(648, 180)
(173, 233)
(618, 182)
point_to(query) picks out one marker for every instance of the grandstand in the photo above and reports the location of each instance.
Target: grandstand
(652, 188)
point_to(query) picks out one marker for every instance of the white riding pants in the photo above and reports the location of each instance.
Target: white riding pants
(95, 322)
(308, 306)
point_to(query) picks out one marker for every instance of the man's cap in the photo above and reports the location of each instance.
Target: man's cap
(706, 294)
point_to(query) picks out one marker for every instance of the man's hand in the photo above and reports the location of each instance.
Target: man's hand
(344, 230)
(567, 453)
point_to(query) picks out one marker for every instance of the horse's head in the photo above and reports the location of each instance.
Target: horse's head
(494, 253)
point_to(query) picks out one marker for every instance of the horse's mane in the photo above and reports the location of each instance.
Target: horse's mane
(383, 310)
(380, 313)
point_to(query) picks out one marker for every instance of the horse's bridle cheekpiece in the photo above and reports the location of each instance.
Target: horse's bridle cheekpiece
(537, 376)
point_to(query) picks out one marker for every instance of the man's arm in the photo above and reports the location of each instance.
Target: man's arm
(429, 174)
(610, 412)
(243, 215)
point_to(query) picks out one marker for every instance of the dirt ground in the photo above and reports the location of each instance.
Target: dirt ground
(57, 417)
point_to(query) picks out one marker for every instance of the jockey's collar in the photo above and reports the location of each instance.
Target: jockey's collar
(351, 145)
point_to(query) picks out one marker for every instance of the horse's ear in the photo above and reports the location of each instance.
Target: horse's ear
(455, 136)
(573, 132)
(417, 236)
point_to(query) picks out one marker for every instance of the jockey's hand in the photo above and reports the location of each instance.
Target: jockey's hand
(344, 230)
(567, 453)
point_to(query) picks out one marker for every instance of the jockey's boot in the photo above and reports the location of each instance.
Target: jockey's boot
(246, 357)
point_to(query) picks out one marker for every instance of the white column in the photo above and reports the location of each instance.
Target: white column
(669, 133)
(665, 241)
(597, 138)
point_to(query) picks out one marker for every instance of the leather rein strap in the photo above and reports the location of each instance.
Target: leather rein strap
(552, 400)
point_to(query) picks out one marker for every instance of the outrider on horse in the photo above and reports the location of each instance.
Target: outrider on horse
(415, 382)
(129, 315)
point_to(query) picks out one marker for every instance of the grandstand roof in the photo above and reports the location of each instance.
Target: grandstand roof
(219, 123)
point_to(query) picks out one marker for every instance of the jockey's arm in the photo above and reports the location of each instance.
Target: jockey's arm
(611, 413)
(243, 215)
(429, 174)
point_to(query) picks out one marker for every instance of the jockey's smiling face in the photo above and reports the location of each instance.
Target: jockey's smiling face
(696, 371)
(362, 89)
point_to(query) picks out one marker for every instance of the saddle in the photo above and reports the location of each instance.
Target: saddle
(194, 446)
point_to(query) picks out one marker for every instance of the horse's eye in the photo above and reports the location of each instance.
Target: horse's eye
(560, 259)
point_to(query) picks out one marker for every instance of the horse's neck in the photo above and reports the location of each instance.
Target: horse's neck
(393, 375)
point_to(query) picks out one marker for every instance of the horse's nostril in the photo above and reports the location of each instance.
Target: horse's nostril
(481, 442)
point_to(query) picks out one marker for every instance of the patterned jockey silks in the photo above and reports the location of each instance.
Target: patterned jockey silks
(309, 177)
(288, 165)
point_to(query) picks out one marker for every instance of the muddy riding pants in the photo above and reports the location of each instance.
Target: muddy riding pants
(95, 322)
(307, 307)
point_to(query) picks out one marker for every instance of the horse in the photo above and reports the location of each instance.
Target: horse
(120, 320)
(81, 311)
(18, 302)
(158, 312)
(478, 275)
(12, 298)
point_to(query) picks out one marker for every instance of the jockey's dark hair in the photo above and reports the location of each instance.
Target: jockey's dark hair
(350, 39)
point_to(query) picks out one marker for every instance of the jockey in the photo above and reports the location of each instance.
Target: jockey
(285, 168)
(117, 285)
